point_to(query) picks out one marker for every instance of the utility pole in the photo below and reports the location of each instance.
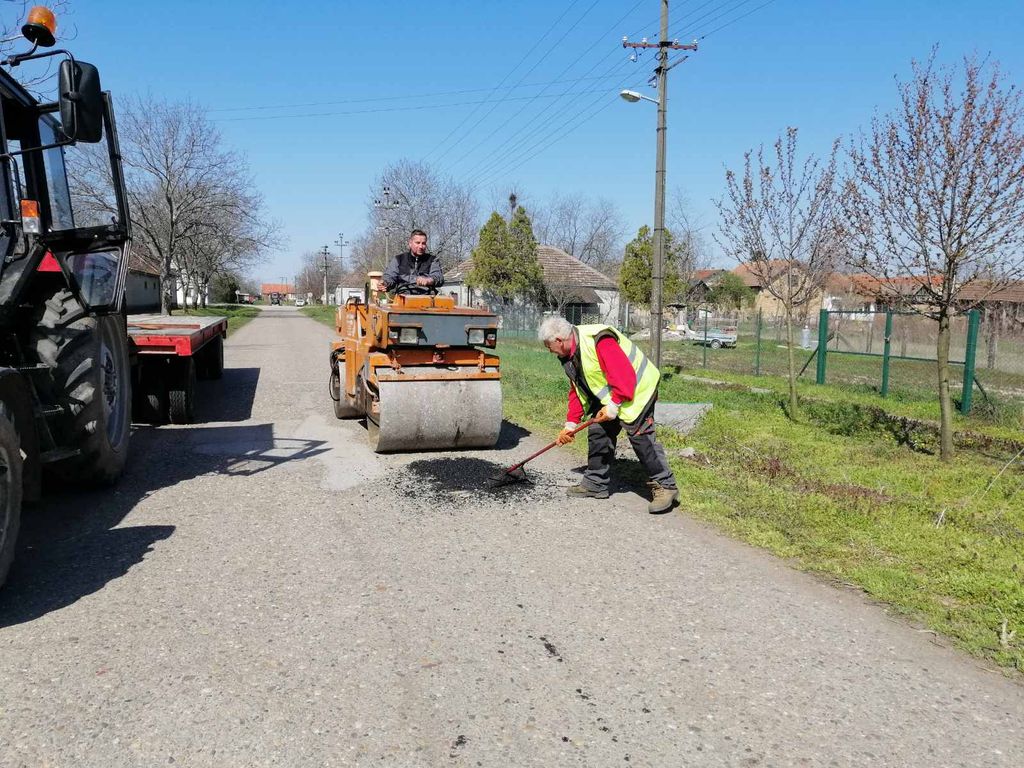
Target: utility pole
(325, 252)
(386, 204)
(664, 45)
(341, 243)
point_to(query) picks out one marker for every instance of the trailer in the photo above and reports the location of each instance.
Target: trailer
(168, 355)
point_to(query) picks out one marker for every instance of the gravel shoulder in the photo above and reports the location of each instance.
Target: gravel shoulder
(261, 589)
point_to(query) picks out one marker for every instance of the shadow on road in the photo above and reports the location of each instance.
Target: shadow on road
(230, 398)
(511, 435)
(72, 544)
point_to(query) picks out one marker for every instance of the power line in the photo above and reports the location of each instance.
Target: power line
(506, 77)
(394, 109)
(538, 63)
(461, 92)
(555, 134)
(738, 18)
(532, 125)
(519, 140)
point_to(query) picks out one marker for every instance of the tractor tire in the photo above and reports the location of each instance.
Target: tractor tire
(181, 394)
(10, 490)
(91, 373)
(211, 363)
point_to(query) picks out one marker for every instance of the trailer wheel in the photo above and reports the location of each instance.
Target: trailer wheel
(150, 395)
(342, 408)
(211, 362)
(181, 393)
(10, 490)
(91, 376)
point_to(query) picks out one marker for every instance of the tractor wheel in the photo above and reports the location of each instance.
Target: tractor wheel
(10, 490)
(88, 357)
(181, 393)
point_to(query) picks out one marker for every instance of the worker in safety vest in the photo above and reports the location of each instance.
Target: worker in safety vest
(612, 381)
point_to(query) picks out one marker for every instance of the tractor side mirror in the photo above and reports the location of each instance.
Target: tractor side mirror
(81, 101)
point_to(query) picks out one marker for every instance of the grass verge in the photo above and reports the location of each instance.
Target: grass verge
(322, 314)
(237, 314)
(840, 495)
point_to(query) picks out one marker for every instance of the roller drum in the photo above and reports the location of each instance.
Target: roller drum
(432, 415)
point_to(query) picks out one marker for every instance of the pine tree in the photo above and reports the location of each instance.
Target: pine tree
(635, 277)
(529, 277)
(505, 259)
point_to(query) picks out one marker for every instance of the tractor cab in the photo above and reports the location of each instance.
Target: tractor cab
(62, 195)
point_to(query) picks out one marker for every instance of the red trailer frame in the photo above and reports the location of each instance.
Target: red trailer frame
(169, 354)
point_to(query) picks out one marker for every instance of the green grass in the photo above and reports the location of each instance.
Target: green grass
(320, 313)
(237, 314)
(941, 543)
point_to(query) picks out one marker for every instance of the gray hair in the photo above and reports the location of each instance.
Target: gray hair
(554, 327)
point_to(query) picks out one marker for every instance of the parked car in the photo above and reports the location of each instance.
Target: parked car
(715, 338)
(300, 302)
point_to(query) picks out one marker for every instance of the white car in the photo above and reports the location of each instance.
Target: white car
(300, 302)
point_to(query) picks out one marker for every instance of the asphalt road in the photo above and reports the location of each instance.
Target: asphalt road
(262, 590)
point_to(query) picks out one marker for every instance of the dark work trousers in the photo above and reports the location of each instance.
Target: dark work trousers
(601, 439)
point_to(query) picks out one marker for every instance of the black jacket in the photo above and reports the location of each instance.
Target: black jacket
(404, 268)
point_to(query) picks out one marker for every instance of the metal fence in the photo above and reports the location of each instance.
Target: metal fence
(856, 356)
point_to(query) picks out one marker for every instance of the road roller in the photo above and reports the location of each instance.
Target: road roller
(420, 369)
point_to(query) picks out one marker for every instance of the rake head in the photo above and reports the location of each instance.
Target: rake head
(508, 477)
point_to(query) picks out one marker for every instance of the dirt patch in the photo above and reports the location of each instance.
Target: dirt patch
(774, 469)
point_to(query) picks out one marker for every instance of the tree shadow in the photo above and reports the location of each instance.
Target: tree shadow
(71, 543)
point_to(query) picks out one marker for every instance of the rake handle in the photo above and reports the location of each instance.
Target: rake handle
(549, 446)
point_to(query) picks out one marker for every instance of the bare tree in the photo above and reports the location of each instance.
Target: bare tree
(194, 206)
(782, 220)
(311, 275)
(590, 230)
(688, 231)
(936, 190)
(421, 198)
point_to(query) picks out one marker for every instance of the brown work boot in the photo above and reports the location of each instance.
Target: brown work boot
(582, 492)
(662, 498)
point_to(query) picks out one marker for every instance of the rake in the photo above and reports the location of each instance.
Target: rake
(516, 473)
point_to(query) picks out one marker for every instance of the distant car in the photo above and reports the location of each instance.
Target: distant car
(300, 302)
(275, 298)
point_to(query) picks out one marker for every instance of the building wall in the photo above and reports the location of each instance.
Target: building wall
(142, 292)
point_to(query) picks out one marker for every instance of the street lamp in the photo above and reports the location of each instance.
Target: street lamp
(633, 97)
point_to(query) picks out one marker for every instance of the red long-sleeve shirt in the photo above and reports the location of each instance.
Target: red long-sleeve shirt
(617, 370)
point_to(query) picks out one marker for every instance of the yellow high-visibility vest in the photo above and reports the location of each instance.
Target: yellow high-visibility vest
(647, 374)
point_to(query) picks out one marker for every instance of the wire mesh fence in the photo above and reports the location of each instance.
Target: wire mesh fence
(855, 345)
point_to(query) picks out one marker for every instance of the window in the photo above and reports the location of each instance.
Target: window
(61, 214)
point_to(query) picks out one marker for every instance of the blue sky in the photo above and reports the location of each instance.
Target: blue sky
(379, 79)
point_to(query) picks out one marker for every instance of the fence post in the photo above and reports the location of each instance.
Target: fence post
(973, 318)
(705, 345)
(885, 353)
(757, 347)
(822, 345)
